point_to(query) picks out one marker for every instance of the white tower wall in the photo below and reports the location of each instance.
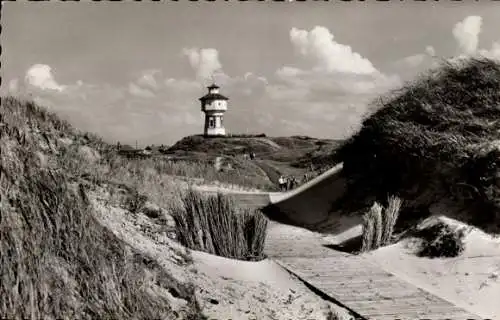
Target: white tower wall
(214, 105)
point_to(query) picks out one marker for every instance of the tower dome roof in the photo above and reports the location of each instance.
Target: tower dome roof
(213, 96)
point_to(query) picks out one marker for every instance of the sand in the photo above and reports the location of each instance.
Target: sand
(225, 288)
(471, 281)
(256, 290)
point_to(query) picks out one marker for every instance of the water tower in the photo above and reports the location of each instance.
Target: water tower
(214, 105)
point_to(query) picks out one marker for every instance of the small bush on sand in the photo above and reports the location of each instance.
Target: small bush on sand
(378, 224)
(213, 224)
(440, 240)
(437, 139)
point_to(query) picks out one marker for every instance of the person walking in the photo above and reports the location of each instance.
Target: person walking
(293, 183)
(282, 183)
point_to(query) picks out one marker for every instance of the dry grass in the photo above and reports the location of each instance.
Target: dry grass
(390, 217)
(213, 224)
(436, 139)
(378, 224)
(56, 260)
(371, 229)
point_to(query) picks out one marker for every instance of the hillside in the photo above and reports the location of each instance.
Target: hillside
(435, 143)
(57, 259)
(274, 156)
(87, 233)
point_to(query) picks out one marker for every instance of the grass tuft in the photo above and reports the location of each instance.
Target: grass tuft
(213, 224)
(378, 224)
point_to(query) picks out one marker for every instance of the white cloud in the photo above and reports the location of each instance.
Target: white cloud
(416, 60)
(285, 92)
(493, 53)
(40, 76)
(466, 32)
(332, 92)
(13, 86)
(148, 79)
(430, 51)
(319, 46)
(137, 91)
(204, 61)
(285, 73)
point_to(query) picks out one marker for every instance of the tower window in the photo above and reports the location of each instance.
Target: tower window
(211, 122)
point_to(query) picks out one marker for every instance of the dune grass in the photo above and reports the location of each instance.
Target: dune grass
(56, 260)
(213, 224)
(436, 139)
(378, 224)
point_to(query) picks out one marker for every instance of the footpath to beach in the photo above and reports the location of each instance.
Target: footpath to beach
(351, 281)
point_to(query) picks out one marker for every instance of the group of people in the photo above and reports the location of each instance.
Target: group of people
(287, 183)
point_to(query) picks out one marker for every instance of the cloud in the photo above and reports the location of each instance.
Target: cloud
(40, 76)
(328, 94)
(148, 80)
(137, 91)
(205, 61)
(182, 84)
(430, 51)
(466, 32)
(493, 53)
(13, 86)
(407, 66)
(319, 47)
(414, 60)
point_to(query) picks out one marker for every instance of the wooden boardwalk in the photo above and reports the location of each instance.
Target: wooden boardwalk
(351, 281)
(354, 282)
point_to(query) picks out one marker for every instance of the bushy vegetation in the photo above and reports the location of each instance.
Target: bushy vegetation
(378, 224)
(56, 260)
(437, 139)
(246, 135)
(229, 146)
(213, 224)
(440, 240)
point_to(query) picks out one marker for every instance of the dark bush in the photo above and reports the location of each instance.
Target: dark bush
(440, 240)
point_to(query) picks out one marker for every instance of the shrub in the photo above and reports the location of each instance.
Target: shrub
(135, 201)
(213, 224)
(440, 240)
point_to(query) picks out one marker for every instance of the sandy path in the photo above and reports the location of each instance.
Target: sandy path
(471, 280)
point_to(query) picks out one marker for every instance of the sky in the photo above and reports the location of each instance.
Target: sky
(134, 71)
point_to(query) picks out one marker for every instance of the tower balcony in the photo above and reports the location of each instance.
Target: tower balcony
(216, 105)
